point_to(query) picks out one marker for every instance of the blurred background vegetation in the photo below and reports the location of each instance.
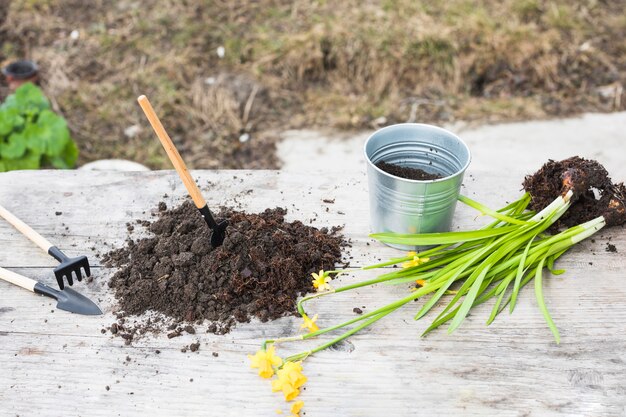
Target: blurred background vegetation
(228, 76)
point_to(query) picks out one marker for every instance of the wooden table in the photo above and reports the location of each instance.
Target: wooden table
(55, 363)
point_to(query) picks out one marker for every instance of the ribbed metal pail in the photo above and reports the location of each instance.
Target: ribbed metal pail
(410, 206)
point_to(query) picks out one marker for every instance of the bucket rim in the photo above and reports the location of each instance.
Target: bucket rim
(459, 172)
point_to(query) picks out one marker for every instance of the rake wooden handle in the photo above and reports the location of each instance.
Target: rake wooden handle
(17, 279)
(172, 152)
(25, 229)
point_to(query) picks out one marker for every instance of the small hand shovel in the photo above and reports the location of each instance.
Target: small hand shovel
(218, 229)
(68, 299)
(67, 265)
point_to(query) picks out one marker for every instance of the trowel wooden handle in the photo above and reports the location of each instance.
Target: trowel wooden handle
(25, 229)
(17, 279)
(172, 152)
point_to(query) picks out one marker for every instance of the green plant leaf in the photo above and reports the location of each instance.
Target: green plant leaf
(14, 148)
(10, 121)
(487, 211)
(54, 133)
(30, 160)
(33, 137)
(542, 303)
(30, 132)
(468, 302)
(500, 289)
(68, 158)
(28, 99)
(426, 239)
(520, 273)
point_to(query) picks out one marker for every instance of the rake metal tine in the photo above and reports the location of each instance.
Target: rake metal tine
(87, 270)
(59, 278)
(70, 280)
(78, 274)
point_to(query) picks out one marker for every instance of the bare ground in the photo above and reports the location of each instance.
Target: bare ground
(347, 65)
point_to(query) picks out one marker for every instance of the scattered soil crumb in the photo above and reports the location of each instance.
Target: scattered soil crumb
(194, 347)
(215, 354)
(329, 201)
(261, 269)
(58, 213)
(357, 310)
(611, 247)
(407, 172)
(173, 334)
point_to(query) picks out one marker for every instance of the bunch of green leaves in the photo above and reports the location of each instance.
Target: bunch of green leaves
(31, 134)
(493, 262)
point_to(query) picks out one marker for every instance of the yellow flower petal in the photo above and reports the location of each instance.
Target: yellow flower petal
(265, 360)
(290, 392)
(309, 323)
(279, 411)
(414, 262)
(297, 406)
(291, 373)
(277, 385)
(321, 281)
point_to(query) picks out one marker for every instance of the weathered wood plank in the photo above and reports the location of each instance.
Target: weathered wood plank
(511, 368)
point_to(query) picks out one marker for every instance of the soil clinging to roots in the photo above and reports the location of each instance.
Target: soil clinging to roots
(594, 192)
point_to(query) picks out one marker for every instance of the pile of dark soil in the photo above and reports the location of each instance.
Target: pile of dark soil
(263, 266)
(594, 192)
(407, 172)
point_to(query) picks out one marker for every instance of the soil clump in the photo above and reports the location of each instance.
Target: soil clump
(263, 266)
(595, 194)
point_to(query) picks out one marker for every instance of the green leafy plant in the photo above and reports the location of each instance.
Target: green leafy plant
(31, 134)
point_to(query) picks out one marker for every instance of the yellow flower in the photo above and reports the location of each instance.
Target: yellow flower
(288, 390)
(290, 379)
(421, 282)
(292, 372)
(265, 360)
(296, 407)
(415, 261)
(309, 323)
(321, 281)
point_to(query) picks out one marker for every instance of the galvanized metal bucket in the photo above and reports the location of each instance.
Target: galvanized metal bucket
(410, 206)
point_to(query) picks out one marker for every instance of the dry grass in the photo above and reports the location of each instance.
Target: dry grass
(350, 64)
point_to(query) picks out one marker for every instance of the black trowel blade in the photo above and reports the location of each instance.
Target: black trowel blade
(75, 302)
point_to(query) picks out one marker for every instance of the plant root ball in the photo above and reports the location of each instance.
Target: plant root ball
(594, 194)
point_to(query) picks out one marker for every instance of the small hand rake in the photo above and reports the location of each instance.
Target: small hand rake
(67, 266)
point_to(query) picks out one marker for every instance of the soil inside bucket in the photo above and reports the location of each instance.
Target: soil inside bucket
(263, 266)
(407, 172)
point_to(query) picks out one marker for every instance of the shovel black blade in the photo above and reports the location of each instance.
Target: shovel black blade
(69, 300)
(218, 230)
